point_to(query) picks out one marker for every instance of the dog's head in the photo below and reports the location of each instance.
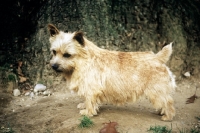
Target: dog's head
(66, 48)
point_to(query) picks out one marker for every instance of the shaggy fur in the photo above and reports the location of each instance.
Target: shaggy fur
(103, 76)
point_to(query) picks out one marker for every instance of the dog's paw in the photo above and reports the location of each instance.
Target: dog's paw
(165, 118)
(86, 112)
(81, 106)
(159, 112)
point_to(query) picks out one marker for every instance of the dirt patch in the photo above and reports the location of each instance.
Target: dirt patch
(4, 101)
(58, 113)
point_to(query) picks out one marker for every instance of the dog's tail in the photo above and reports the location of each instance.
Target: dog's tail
(165, 53)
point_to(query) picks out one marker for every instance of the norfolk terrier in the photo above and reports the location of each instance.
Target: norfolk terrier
(103, 76)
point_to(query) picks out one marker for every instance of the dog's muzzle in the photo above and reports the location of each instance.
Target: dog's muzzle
(56, 67)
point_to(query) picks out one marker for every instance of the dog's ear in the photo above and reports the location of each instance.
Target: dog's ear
(78, 36)
(52, 30)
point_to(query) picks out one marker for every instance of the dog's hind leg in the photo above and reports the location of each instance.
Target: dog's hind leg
(168, 109)
(164, 102)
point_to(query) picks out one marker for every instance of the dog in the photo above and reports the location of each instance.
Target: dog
(103, 76)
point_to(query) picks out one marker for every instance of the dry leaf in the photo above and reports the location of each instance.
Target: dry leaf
(19, 71)
(109, 127)
(20, 63)
(25, 88)
(192, 98)
(22, 79)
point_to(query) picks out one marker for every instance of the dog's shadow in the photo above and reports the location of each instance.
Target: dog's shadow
(128, 111)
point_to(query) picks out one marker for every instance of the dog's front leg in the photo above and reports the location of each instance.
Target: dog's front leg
(81, 106)
(91, 107)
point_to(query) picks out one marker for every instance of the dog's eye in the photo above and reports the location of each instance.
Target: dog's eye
(66, 55)
(54, 52)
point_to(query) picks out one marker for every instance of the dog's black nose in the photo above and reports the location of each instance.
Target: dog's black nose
(55, 66)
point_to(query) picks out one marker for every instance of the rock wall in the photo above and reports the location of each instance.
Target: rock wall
(125, 25)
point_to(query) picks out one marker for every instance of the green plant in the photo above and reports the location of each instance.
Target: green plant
(5, 67)
(195, 130)
(183, 131)
(12, 77)
(7, 129)
(48, 131)
(159, 129)
(3, 79)
(41, 81)
(198, 118)
(6, 75)
(85, 122)
(45, 81)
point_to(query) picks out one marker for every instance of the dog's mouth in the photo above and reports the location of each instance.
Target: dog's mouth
(58, 71)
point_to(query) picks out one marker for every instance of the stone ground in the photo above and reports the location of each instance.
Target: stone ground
(58, 113)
